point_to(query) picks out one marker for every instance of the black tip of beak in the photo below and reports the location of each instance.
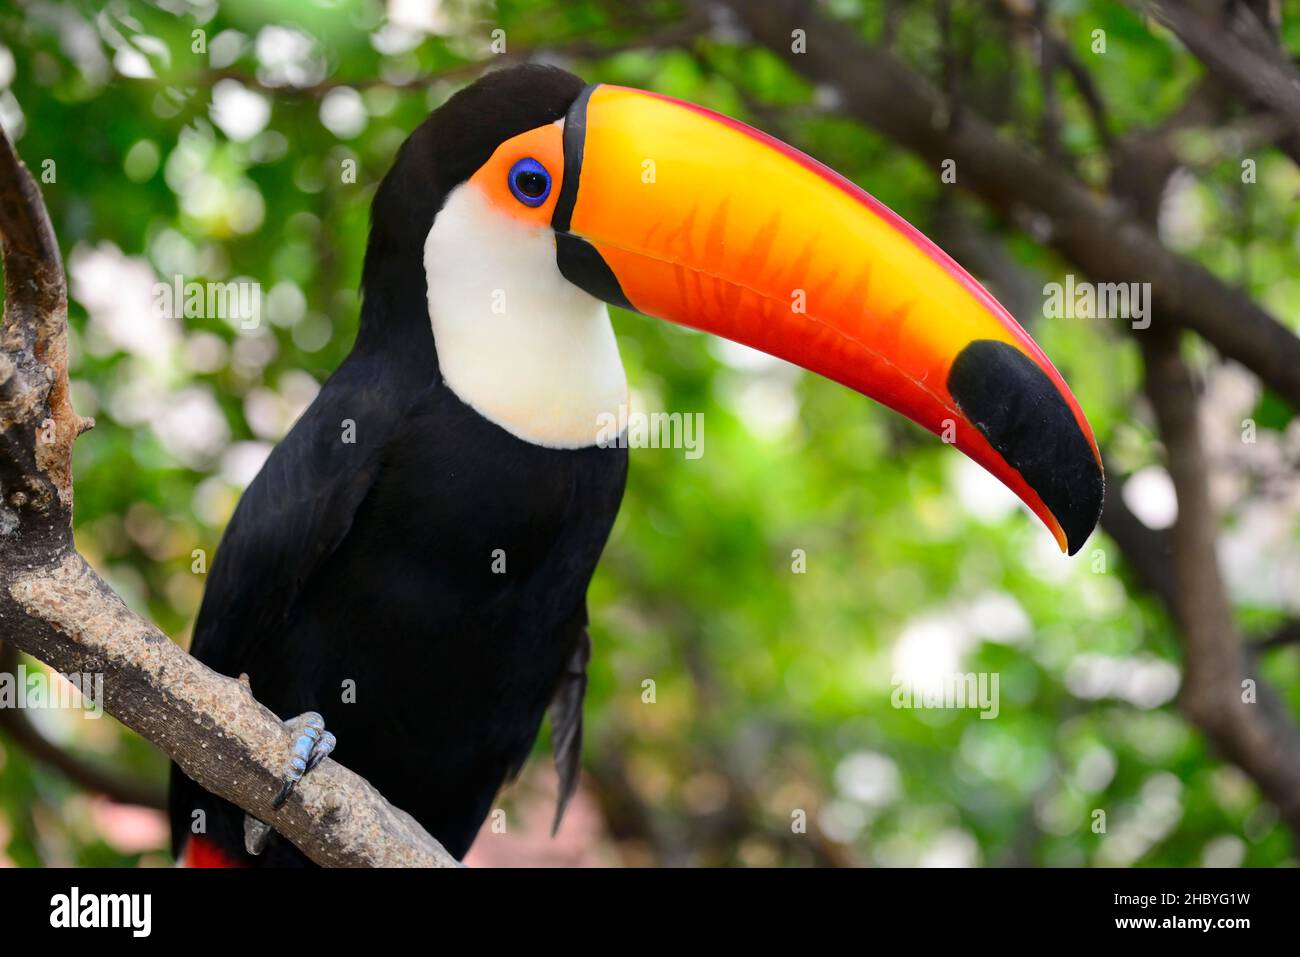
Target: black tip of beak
(1027, 420)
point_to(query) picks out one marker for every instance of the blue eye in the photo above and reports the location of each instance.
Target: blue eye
(530, 182)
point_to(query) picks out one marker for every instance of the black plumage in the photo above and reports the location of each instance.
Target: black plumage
(369, 564)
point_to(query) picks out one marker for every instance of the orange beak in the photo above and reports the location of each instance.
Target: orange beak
(683, 214)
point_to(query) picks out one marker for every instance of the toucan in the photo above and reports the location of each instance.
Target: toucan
(410, 566)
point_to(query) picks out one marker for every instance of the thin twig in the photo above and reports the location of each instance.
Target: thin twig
(83, 774)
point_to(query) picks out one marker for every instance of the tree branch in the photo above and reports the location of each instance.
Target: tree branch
(1287, 633)
(1242, 54)
(54, 607)
(1145, 549)
(1253, 731)
(1056, 50)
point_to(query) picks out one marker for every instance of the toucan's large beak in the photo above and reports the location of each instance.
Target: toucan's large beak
(678, 212)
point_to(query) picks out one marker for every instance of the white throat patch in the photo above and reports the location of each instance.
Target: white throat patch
(518, 342)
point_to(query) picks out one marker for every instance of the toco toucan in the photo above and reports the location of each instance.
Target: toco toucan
(424, 536)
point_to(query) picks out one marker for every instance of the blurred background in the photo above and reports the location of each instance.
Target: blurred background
(776, 590)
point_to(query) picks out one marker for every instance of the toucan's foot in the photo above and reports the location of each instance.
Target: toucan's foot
(312, 745)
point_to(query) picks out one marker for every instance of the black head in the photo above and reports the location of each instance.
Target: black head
(444, 151)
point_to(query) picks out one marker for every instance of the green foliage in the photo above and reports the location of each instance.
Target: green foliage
(773, 687)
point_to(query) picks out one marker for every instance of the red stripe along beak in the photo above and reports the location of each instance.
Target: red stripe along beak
(680, 213)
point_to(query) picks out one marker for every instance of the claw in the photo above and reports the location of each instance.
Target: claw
(322, 750)
(310, 748)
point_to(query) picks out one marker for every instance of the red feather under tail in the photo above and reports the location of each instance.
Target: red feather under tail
(201, 852)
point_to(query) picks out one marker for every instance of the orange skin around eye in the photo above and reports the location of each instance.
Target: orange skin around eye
(544, 144)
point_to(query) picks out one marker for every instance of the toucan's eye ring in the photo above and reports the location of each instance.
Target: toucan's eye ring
(530, 182)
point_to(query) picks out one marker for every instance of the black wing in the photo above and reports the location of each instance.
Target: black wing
(295, 513)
